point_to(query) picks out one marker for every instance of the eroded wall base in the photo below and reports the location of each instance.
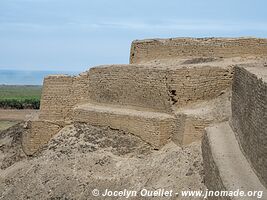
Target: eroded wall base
(153, 127)
(37, 134)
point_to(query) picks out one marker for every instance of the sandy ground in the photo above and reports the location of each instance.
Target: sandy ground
(82, 157)
(6, 124)
(10, 146)
(17, 115)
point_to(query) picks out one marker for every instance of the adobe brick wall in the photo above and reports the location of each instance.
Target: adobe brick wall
(37, 134)
(153, 127)
(80, 89)
(130, 85)
(190, 129)
(150, 87)
(57, 98)
(249, 115)
(60, 93)
(192, 84)
(156, 88)
(154, 49)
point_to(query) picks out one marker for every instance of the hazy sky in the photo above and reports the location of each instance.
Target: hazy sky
(76, 34)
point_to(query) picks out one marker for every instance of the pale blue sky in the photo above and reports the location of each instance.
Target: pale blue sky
(76, 34)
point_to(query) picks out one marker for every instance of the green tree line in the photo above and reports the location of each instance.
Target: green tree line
(33, 103)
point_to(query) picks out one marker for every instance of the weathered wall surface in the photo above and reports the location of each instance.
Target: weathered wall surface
(135, 86)
(212, 178)
(57, 98)
(154, 88)
(225, 166)
(153, 127)
(130, 85)
(37, 134)
(191, 129)
(191, 84)
(80, 89)
(249, 115)
(147, 50)
(150, 87)
(60, 93)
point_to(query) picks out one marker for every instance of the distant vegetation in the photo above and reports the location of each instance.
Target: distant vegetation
(20, 97)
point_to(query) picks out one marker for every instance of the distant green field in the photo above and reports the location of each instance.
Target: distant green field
(20, 92)
(20, 97)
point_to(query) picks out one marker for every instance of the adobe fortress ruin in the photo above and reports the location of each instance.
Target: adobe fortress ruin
(171, 91)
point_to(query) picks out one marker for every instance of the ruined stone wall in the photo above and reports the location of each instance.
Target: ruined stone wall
(190, 129)
(142, 98)
(130, 85)
(57, 98)
(60, 93)
(191, 84)
(249, 115)
(37, 134)
(147, 50)
(80, 89)
(139, 86)
(154, 88)
(153, 127)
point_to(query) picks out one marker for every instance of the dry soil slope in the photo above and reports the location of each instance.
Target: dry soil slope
(82, 157)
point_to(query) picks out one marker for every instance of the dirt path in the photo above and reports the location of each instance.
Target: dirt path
(16, 115)
(6, 124)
